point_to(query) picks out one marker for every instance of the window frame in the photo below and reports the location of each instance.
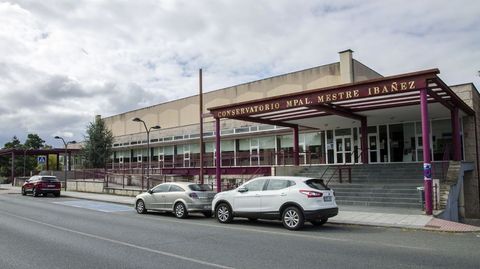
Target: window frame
(155, 189)
(289, 184)
(250, 182)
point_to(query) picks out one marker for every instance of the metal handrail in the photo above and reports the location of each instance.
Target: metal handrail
(338, 168)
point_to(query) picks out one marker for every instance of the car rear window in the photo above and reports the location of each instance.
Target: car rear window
(317, 184)
(49, 179)
(200, 187)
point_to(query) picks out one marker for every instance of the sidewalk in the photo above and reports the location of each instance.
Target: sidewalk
(355, 215)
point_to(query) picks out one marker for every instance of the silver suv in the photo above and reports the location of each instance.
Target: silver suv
(293, 200)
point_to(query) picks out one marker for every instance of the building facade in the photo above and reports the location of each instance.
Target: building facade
(393, 133)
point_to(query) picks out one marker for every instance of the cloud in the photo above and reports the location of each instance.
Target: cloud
(62, 62)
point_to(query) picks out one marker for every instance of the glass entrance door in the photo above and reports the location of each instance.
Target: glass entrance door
(186, 159)
(254, 152)
(419, 147)
(161, 159)
(343, 149)
(373, 149)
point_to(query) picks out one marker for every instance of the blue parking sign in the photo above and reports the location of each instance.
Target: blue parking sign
(41, 159)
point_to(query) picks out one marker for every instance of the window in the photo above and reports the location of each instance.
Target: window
(49, 179)
(316, 184)
(256, 185)
(161, 188)
(200, 187)
(278, 184)
(175, 188)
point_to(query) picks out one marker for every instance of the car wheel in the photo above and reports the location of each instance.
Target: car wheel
(140, 207)
(252, 219)
(224, 213)
(180, 210)
(319, 222)
(292, 218)
(24, 192)
(34, 192)
(207, 214)
(57, 194)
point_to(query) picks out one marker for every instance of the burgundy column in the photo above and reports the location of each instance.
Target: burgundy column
(296, 154)
(218, 155)
(13, 167)
(457, 151)
(364, 141)
(427, 165)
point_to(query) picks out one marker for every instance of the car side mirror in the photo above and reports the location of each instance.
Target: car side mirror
(150, 191)
(242, 189)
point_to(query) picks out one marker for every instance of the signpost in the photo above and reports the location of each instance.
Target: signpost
(41, 159)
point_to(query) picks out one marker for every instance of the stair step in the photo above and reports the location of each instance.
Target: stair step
(380, 204)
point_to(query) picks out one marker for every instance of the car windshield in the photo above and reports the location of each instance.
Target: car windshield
(49, 179)
(317, 184)
(200, 187)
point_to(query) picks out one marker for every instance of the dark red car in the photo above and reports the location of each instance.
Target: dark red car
(42, 185)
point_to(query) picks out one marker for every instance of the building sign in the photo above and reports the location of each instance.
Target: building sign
(320, 97)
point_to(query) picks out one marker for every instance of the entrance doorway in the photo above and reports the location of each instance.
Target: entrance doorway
(373, 149)
(343, 149)
(254, 152)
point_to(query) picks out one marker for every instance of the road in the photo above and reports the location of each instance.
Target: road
(48, 232)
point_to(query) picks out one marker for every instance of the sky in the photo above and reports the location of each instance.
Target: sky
(63, 62)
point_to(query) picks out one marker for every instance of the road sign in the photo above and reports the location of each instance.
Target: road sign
(41, 159)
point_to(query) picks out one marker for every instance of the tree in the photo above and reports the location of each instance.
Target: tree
(15, 143)
(5, 161)
(98, 144)
(34, 142)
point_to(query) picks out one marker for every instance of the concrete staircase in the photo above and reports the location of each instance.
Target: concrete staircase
(386, 185)
(450, 179)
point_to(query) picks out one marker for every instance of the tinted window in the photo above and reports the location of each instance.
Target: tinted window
(278, 184)
(256, 185)
(161, 188)
(176, 188)
(49, 179)
(200, 187)
(316, 184)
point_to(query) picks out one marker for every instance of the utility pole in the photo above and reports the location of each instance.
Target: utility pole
(201, 125)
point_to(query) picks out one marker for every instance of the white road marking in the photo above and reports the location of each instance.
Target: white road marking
(121, 243)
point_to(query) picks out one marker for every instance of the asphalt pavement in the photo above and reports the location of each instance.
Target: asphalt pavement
(354, 215)
(65, 232)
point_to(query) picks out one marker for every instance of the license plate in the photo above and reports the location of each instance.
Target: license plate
(51, 186)
(327, 198)
(207, 207)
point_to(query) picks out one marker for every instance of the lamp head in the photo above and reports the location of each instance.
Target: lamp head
(136, 119)
(156, 127)
(57, 137)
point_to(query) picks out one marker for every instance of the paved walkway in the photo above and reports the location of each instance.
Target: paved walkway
(371, 216)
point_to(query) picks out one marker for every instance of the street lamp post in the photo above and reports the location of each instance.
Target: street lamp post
(65, 159)
(148, 146)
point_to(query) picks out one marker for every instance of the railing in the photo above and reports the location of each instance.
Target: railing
(446, 161)
(229, 159)
(339, 169)
(95, 173)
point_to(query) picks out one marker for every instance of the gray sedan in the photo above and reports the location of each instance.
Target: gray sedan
(181, 198)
